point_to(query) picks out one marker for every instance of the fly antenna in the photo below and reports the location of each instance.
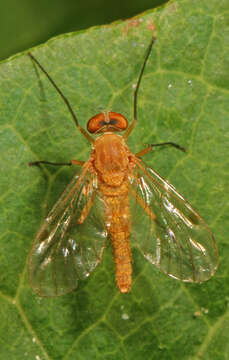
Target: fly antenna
(88, 137)
(148, 51)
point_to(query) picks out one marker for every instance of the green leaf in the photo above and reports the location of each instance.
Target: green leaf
(184, 98)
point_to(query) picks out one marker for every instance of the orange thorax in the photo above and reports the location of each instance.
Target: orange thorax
(111, 158)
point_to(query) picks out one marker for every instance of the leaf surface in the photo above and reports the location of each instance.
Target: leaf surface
(184, 98)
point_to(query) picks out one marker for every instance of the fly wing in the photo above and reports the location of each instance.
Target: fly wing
(71, 240)
(176, 239)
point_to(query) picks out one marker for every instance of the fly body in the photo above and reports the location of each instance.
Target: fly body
(112, 163)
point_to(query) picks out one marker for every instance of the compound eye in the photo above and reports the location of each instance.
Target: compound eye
(118, 120)
(95, 123)
(115, 120)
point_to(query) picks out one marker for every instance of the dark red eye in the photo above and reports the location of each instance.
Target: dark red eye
(111, 119)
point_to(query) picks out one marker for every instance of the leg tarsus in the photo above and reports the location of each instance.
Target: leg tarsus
(71, 162)
(177, 146)
(37, 163)
(150, 147)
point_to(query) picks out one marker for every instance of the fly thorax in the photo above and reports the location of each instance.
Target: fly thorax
(111, 159)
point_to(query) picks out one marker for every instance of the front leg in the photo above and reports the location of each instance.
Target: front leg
(71, 162)
(150, 147)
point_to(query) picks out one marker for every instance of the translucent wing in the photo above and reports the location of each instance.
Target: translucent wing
(71, 240)
(176, 239)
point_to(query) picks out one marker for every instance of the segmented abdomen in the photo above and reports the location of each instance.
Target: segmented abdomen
(117, 214)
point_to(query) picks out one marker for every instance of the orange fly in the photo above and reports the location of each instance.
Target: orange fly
(114, 196)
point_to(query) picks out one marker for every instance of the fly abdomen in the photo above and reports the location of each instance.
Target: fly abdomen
(122, 258)
(118, 225)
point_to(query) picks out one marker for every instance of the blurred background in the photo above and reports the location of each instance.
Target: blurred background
(27, 23)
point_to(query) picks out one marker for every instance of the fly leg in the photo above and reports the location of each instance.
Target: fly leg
(146, 208)
(142, 203)
(85, 134)
(71, 162)
(150, 147)
(132, 125)
(86, 210)
(88, 204)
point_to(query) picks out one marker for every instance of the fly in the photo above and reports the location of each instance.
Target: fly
(116, 195)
